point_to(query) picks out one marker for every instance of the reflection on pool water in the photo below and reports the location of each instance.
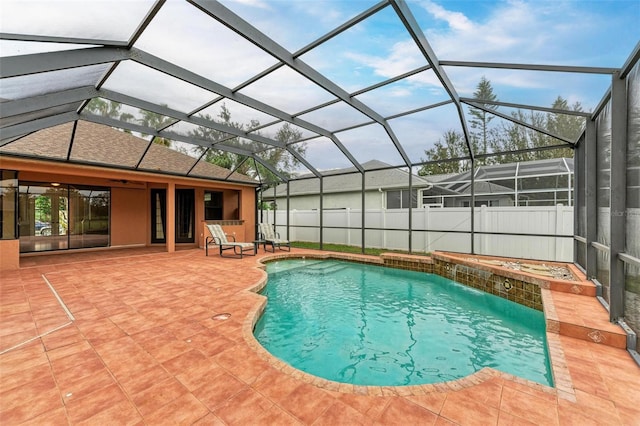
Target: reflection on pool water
(370, 325)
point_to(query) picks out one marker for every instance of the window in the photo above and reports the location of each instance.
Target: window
(212, 205)
(8, 204)
(400, 199)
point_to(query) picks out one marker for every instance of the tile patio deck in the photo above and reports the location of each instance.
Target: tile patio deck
(142, 347)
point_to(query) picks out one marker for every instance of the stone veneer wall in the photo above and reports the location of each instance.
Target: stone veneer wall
(409, 265)
(518, 291)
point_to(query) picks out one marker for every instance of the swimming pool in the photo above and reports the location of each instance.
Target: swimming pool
(371, 325)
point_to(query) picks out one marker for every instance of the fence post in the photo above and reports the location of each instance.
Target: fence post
(484, 238)
(348, 210)
(427, 223)
(559, 230)
(384, 228)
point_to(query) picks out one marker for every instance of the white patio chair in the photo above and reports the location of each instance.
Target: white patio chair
(272, 238)
(219, 238)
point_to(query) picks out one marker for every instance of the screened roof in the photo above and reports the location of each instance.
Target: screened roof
(301, 87)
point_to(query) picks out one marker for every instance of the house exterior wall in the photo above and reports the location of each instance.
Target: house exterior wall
(129, 216)
(130, 213)
(343, 200)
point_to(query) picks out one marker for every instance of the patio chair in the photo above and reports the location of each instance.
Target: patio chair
(219, 238)
(272, 238)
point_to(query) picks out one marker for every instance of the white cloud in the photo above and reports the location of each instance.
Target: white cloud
(403, 56)
(254, 3)
(456, 20)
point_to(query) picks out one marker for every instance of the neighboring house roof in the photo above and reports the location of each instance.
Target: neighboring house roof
(385, 177)
(102, 145)
(461, 183)
(335, 181)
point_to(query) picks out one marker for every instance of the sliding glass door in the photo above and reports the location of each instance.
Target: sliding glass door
(185, 215)
(88, 217)
(52, 216)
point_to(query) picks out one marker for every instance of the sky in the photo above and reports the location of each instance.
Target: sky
(591, 33)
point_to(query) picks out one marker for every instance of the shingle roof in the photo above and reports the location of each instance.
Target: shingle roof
(335, 181)
(105, 146)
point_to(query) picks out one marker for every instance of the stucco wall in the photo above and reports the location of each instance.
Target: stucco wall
(129, 216)
(9, 254)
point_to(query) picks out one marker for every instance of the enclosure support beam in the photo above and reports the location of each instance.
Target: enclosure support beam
(579, 195)
(321, 213)
(618, 195)
(410, 208)
(472, 205)
(275, 207)
(288, 208)
(362, 214)
(590, 197)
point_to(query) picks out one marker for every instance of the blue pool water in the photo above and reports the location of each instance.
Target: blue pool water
(370, 325)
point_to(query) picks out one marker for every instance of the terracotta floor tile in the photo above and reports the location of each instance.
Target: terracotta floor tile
(400, 411)
(307, 403)
(184, 410)
(160, 394)
(23, 377)
(276, 416)
(573, 414)
(528, 407)
(137, 381)
(489, 393)
(121, 413)
(23, 357)
(65, 335)
(211, 342)
(468, 411)
(30, 400)
(243, 407)
(16, 323)
(168, 350)
(275, 385)
(245, 366)
(216, 392)
(86, 385)
(71, 355)
(185, 360)
(91, 405)
(432, 402)
(339, 413)
(193, 376)
(54, 417)
(212, 420)
(506, 419)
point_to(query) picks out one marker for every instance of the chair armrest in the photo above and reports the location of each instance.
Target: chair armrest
(233, 237)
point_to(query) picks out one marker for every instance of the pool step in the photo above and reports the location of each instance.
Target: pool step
(326, 267)
(582, 318)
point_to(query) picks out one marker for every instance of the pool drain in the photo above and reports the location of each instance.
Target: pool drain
(221, 317)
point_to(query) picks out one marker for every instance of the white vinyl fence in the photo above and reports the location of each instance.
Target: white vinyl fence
(440, 229)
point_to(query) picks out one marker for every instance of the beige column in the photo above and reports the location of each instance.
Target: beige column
(171, 217)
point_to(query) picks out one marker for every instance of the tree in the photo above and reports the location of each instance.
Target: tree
(452, 145)
(158, 122)
(110, 109)
(569, 126)
(516, 137)
(104, 108)
(481, 119)
(280, 158)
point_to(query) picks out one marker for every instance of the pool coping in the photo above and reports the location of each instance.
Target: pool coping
(563, 389)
